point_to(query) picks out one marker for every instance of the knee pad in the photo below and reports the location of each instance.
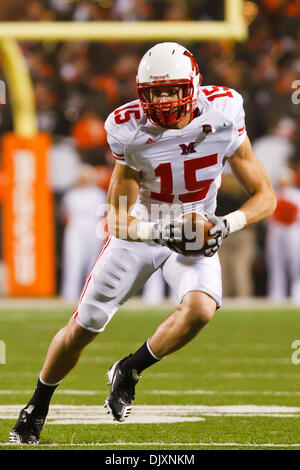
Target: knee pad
(91, 316)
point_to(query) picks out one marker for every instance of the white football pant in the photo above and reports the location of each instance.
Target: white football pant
(123, 267)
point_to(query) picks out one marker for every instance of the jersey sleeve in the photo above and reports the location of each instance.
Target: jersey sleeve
(115, 140)
(120, 126)
(117, 149)
(237, 114)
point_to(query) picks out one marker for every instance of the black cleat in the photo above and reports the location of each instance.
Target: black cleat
(122, 390)
(28, 427)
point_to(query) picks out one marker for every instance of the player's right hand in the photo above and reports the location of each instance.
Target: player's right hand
(167, 231)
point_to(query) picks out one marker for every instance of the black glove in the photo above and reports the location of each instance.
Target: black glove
(220, 230)
(167, 232)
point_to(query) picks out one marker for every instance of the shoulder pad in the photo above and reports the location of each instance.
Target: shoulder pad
(124, 121)
(223, 98)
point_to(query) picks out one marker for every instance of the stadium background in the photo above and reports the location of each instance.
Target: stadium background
(77, 84)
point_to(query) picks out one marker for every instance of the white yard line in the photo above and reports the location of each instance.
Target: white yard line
(239, 360)
(164, 444)
(142, 414)
(183, 375)
(224, 392)
(166, 392)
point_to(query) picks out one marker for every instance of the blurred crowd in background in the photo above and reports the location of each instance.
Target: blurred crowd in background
(77, 84)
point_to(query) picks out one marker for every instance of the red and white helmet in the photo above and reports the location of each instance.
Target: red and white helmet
(168, 64)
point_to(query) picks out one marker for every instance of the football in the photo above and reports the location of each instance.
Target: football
(195, 228)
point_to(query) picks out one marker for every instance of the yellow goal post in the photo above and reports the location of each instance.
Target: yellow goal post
(233, 27)
(16, 74)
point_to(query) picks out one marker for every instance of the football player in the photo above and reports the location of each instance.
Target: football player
(170, 147)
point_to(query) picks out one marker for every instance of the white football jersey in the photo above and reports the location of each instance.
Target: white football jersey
(179, 166)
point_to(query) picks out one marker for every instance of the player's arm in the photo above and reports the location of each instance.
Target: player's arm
(254, 179)
(262, 202)
(122, 195)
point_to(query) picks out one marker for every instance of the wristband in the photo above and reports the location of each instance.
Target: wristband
(144, 230)
(236, 220)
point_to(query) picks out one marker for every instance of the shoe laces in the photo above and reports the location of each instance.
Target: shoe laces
(129, 379)
(31, 423)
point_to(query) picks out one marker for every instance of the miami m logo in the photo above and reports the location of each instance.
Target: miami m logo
(187, 148)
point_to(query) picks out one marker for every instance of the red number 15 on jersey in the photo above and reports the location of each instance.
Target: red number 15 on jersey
(199, 188)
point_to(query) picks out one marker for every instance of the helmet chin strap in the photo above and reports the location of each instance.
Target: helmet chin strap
(192, 114)
(177, 114)
(169, 112)
(164, 118)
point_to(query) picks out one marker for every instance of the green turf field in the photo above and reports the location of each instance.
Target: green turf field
(233, 387)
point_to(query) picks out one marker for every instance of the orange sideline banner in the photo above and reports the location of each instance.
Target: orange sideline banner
(28, 219)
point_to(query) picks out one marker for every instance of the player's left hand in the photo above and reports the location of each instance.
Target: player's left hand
(220, 231)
